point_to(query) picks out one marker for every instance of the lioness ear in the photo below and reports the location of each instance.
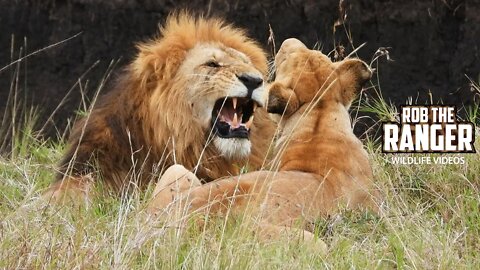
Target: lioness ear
(282, 100)
(353, 74)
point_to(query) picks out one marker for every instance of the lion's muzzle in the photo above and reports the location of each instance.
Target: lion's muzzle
(232, 117)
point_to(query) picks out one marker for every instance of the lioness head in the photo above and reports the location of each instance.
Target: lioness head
(304, 76)
(208, 80)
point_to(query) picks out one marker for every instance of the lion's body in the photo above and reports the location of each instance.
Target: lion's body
(152, 118)
(322, 165)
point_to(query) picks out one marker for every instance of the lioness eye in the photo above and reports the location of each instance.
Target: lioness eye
(212, 64)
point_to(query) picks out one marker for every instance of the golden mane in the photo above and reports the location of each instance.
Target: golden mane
(146, 121)
(156, 69)
(161, 56)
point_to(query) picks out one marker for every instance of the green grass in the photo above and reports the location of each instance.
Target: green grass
(430, 219)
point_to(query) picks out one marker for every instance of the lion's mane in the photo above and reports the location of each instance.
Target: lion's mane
(145, 122)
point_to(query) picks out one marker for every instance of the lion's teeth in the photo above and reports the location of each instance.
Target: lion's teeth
(235, 120)
(234, 100)
(254, 106)
(249, 123)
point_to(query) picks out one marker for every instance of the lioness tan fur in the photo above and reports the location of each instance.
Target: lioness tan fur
(322, 164)
(160, 111)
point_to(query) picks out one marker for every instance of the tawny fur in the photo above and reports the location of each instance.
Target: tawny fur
(146, 123)
(322, 165)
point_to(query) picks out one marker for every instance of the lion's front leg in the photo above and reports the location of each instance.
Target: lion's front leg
(175, 181)
(71, 189)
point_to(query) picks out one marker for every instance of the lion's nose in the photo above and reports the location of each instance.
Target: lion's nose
(250, 81)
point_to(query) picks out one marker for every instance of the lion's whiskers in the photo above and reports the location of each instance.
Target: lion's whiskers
(199, 74)
(207, 90)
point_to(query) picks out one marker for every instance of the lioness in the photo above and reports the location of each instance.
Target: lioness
(189, 97)
(322, 164)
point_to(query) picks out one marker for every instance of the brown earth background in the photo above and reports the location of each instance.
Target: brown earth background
(434, 44)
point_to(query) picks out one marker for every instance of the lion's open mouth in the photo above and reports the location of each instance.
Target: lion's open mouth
(233, 117)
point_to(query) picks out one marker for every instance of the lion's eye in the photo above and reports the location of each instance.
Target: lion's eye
(212, 64)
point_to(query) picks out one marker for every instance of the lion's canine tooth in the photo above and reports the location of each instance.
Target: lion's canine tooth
(234, 100)
(249, 123)
(254, 106)
(235, 120)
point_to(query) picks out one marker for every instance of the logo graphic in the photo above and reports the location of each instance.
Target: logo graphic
(428, 129)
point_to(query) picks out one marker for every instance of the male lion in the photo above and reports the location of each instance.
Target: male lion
(322, 164)
(189, 97)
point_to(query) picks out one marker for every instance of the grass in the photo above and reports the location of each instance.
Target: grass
(430, 219)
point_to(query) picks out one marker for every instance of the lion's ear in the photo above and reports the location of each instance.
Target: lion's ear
(282, 100)
(155, 63)
(353, 74)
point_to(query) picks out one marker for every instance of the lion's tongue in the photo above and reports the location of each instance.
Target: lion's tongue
(229, 115)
